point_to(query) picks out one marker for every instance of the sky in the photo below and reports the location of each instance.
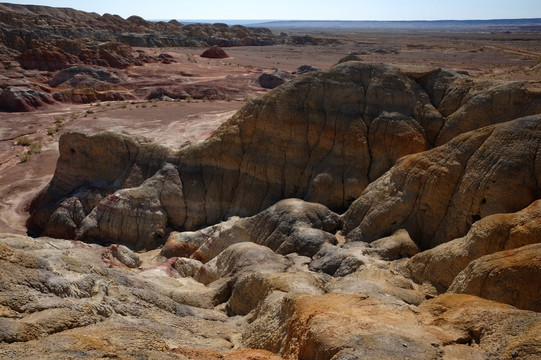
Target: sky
(306, 9)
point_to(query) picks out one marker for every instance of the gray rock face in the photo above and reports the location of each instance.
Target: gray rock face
(275, 79)
(77, 74)
(289, 226)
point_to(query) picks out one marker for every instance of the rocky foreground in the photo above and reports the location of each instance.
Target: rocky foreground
(361, 212)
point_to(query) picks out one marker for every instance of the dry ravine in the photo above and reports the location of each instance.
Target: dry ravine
(359, 212)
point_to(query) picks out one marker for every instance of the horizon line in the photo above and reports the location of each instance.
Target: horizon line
(327, 20)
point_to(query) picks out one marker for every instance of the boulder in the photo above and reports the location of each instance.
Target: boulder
(215, 52)
(397, 246)
(340, 260)
(275, 79)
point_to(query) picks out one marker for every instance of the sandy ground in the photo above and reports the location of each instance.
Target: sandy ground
(489, 56)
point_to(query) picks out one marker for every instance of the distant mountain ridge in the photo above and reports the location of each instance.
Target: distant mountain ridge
(23, 27)
(533, 24)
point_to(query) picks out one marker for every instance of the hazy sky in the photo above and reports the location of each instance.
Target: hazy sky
(307, 9)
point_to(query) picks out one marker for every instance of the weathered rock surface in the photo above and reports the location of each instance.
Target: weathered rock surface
(63, 298)
(275, 79)
(290, 226)
(323, 138)
(451, 326)
(509, 277)
(215, 52)
(495, 233)
(437, 195)
(59, 298)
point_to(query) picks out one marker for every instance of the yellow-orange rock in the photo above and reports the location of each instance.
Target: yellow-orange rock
(495, 233)
(438, 194)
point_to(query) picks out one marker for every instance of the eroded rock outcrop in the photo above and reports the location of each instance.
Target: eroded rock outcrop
(314, 135)
(215, 52)
(323, 138)
(493, 234)
(437, 195)
(290, 226)
(505, 276)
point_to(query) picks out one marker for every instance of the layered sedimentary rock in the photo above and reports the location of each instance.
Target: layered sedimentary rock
(437, 195)
(63, 298)
(495, 233)
(290, 226)
(323, 138)
(26, 26)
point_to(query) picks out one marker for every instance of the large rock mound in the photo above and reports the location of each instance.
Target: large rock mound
(215, 52)
(290, 226)
(493, 234)
(437, 195)
(322, 138)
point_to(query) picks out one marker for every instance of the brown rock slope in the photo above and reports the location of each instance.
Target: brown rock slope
(510, 276)
(437, 195)
(323, 138)
(495, 233)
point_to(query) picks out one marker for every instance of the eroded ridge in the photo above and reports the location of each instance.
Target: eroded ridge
(323, 137)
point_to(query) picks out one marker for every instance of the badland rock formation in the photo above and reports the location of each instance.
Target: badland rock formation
(215, 52)
(435, 254)
(275, 79)
(50, 39)
(322, 138)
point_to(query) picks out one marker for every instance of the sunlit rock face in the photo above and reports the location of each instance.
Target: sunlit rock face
(401, 209)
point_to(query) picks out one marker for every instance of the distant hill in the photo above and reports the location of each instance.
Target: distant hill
(523, 25)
